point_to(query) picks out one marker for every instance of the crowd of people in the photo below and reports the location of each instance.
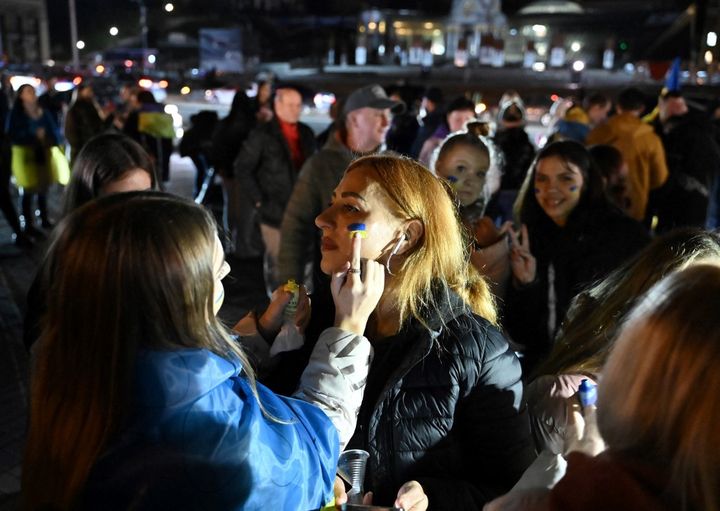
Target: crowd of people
(459, 290)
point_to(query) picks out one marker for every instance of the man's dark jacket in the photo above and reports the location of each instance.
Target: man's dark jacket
(265, 170)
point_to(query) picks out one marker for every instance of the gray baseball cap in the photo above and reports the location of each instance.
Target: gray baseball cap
(372, 96)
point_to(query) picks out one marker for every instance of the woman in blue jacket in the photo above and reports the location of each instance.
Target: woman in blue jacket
(32, 127)
(140, 397)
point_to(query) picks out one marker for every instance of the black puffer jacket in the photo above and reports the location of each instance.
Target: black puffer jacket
(265, 170)
(447, 412)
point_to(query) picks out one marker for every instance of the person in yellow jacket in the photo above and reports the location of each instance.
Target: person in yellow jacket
(640, 146)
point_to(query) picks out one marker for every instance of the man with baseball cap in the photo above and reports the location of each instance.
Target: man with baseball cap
(360, 129)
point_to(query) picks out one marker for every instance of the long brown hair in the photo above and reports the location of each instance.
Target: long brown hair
(102, 160)
(589, 331)
(658, 397)
(441, 256)
(129, 271)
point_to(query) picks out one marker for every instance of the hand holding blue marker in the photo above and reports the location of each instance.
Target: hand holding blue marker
(587, 393)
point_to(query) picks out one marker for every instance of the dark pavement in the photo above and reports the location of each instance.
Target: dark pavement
(244, 290)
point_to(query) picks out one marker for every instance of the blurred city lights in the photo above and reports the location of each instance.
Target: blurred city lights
(128, 63)
(708, 57)
(575, 46)
(169, 7)
(80, 45)
(711, 39)
(538, 67)
(578, 65)
(18, 80)
(99, 69)
(77, 80)
(113, 31)
(145, 83)
(185, 90)
(163, 84)
(151, 59)
(540, 30)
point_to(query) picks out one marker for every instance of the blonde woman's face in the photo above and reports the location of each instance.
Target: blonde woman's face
(465, 167)
(358, 198)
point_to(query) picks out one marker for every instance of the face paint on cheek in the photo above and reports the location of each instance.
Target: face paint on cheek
(357, 230)
(573, 188)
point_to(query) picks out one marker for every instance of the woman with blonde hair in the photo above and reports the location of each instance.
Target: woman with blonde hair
(141, 399)
(442, 404)
(657, 410)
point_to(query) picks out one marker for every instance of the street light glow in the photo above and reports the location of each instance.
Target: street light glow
(578, 66)
(80, 45)
(169, 7)
(575, 46)
(113, 31)
(712, 39)
(151, 59)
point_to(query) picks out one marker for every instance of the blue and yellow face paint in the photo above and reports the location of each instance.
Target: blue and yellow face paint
(357, 230)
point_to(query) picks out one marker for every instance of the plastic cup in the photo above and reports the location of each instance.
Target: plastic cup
(351, 467)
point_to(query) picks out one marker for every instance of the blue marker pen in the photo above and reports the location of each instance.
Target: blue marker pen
(587, 393)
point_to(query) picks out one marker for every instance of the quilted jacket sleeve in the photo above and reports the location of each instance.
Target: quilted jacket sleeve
(492, 424)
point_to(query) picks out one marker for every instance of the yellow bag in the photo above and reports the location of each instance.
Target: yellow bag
(156, 124)
(59, 166)
(30, 174)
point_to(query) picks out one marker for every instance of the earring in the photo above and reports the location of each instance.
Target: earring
(393, 252)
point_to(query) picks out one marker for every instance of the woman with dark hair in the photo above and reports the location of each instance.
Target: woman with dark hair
(459, 111)
(84, 119)
(32, 132)
(570, 236)
(109, 163)
(142, 399)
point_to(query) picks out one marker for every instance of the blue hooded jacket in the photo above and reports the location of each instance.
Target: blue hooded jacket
(198, 439)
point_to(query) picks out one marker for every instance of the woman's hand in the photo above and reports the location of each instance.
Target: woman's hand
(341, 495)
(581, 433)
(523, 263)
(411, 497)
(272, 319)
(356, 291)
